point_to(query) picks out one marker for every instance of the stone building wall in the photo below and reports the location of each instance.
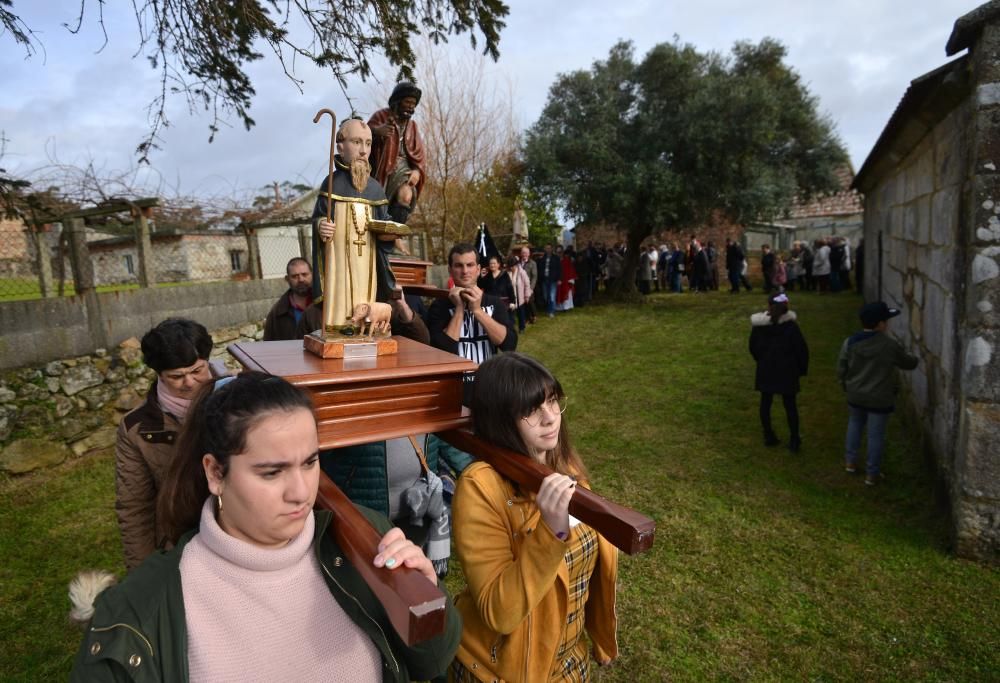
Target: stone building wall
(916, 212)
(176, 258)
(208, 256)
(932, 245)
(977, 490)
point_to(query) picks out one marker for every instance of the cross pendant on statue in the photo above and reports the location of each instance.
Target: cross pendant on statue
(361, 243)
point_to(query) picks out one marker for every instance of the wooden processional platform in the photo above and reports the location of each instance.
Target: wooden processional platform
(360, 400)
(415, 391)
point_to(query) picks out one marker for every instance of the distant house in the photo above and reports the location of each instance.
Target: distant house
(840, 213)
(17, 251)
(177, 257)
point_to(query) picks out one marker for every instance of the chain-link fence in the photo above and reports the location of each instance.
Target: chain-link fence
(34, 262)
(43, 261)
(38, 263)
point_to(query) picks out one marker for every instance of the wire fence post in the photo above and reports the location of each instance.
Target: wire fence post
(143, 245)
(253, 252)
(79, 254)
(43, 259)
(305, 243)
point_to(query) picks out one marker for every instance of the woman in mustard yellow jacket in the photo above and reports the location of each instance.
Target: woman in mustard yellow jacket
(536, 577)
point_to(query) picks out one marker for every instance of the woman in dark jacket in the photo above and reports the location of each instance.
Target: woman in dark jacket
(782, 356)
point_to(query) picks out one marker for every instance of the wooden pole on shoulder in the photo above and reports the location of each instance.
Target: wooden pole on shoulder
(415, 606)
(628, 530)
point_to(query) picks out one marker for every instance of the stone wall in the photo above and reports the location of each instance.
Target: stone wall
(71, 406)
(916, 212)
(932, 242)
(48, 329)
(977, 490)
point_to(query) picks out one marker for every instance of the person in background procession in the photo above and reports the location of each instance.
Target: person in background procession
(782, 357)
(178, 351)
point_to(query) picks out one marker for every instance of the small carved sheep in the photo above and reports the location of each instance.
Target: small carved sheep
(376, 315)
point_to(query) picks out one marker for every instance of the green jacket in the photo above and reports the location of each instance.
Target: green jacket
(139, 633)
(360, 471)
(867, 366)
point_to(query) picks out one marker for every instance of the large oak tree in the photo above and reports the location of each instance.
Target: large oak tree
(668, 142)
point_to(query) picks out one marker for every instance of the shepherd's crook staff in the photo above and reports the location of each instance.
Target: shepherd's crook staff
(328, 246)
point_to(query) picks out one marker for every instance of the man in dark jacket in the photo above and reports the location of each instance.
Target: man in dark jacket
(549, 277)
(734, 266)
(469, 323)
(284, 316)
(866, 369)
(767, 267)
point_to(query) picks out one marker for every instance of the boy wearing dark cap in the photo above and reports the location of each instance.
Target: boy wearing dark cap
(866, 369)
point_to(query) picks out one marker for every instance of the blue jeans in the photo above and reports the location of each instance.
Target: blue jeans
(734, 280)
(549, 292)
(876, 437)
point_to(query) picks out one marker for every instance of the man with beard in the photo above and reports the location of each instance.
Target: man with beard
(352, 252)
(398, 156)
(286, 313)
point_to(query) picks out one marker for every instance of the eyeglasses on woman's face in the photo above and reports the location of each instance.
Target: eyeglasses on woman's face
(553, 407)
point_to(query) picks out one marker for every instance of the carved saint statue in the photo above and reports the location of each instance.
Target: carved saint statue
(351, 252)
(398, 155)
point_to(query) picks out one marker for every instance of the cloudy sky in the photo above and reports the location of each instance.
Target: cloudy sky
(76, 103)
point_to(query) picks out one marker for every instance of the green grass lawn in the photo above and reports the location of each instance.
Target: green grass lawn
(766, 565)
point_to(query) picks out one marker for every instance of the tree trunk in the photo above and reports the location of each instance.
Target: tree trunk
(625, 289)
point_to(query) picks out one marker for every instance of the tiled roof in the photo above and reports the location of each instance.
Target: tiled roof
(845, 202)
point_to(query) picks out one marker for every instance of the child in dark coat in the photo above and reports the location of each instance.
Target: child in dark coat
(782, 356)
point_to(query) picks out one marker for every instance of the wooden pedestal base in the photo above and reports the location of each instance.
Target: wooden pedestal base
(361, 400)
(325, 348)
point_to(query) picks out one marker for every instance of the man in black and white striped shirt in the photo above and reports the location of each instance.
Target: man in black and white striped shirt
(469, 323)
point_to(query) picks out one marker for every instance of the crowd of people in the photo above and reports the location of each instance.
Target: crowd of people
(230, 573)
(824, 266)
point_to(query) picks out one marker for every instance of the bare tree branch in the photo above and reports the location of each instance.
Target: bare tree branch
(202, 48)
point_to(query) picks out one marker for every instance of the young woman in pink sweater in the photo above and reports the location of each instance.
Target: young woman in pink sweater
(254, 589)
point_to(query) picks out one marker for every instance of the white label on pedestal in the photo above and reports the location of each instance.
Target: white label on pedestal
(363, 350)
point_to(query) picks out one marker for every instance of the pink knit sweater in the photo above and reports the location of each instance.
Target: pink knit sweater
(256, 614)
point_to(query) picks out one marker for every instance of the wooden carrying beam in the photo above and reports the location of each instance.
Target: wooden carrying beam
(625, 528)
(426, 290)
(416, 607)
